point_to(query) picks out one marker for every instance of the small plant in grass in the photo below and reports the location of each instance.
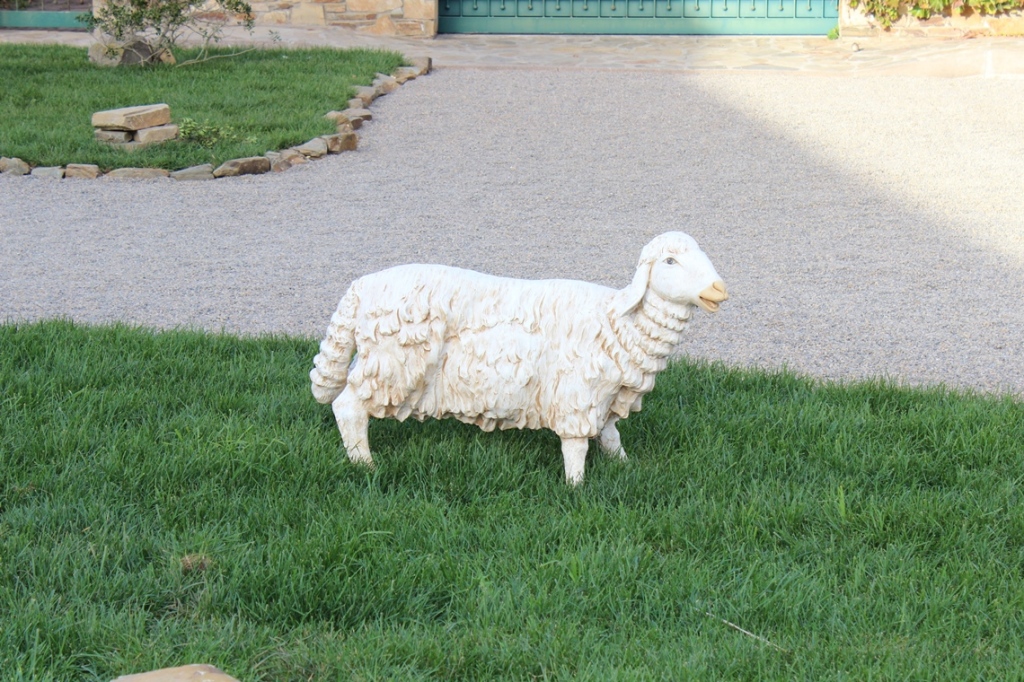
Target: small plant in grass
(162, 24)
(208, 135)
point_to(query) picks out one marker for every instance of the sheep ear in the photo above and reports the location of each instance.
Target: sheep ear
(629, 298)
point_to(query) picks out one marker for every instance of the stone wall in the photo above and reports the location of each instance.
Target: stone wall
(377, 17)
(960, 23)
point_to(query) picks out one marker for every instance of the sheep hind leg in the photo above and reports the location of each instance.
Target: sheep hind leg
(611, 441)
(574, 452)
(353, 423)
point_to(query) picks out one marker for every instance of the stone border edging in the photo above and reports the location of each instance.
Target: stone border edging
(345, 139)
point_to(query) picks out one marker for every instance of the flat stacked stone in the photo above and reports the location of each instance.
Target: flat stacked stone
(134, 127)
(112, 136)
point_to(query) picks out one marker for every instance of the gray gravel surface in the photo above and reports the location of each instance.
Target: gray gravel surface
(865, 226)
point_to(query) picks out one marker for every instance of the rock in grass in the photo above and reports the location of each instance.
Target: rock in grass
(81, 170)
(137, 173)
(103, 55)
(129, 146)
(114, 53)
(112, 136)
(250, 165)
(51, 172)
(185, 673)
(141, 52)
(157, 134)
(132, 118)
(201, 172)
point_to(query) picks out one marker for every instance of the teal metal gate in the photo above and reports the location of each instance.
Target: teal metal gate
(640, 17)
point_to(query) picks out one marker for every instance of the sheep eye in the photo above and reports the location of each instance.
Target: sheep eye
(670, 261)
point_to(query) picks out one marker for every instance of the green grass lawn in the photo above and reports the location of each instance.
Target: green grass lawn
(170, 498)
(272, 99)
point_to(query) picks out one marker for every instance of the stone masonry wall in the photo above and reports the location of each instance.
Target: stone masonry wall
(960, 23)
(376, 17)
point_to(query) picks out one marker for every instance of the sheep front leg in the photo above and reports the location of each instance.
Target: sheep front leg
(574, 452)
(610, 440)
(353, 423)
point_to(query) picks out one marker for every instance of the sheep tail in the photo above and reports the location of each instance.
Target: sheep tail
(331, 365)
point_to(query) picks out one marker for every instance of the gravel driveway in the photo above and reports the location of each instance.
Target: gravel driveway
(866, 226)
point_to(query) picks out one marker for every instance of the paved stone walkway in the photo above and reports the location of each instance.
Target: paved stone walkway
(1003, 57)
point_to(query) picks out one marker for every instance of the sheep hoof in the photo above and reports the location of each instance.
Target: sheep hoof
(619, 454)
(364, 460)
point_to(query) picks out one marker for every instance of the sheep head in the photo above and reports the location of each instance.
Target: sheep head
(674, 267)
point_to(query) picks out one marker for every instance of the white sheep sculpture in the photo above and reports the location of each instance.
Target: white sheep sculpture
(570, 356)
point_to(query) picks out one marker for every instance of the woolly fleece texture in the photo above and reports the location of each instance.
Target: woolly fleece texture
(573, 357)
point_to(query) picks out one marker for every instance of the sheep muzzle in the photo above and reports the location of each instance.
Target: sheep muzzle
(712, 296)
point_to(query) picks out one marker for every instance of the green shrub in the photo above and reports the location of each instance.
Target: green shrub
(888, 11)
(162, 24)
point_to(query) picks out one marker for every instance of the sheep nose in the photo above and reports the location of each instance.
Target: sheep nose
(712, 296)
(716, 292)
